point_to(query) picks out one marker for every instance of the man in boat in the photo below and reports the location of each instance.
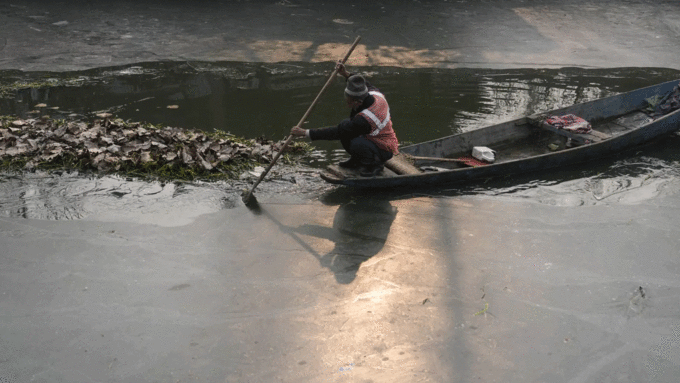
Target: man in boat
(367, 134)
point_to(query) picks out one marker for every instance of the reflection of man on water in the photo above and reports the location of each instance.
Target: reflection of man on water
(360, 230)
(367, 135)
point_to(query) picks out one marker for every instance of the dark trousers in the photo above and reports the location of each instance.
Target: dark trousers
(365, 151)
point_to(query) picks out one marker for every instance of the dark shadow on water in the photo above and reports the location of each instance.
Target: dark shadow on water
(360, 229)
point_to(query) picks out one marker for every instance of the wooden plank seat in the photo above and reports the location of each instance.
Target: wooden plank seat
(581, 138)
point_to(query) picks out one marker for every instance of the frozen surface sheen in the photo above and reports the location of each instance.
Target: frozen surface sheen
(347, 288)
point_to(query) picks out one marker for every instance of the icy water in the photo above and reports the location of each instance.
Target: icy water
(267, 99)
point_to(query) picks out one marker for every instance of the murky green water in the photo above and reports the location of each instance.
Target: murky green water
(267, 99)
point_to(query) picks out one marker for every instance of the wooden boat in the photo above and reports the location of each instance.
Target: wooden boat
(524, 145)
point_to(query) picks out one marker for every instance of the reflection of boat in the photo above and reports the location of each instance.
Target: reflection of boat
(525, 144)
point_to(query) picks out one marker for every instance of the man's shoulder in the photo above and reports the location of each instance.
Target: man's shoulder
(368, 102)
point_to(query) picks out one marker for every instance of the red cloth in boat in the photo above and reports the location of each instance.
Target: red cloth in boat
(570, 122)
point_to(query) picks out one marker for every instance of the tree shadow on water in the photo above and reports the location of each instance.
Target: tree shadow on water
(360, 228)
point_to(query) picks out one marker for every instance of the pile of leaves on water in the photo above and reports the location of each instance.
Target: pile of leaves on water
(134, 149)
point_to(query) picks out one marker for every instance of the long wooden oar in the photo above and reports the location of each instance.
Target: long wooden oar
(436, 159)
(248, 196)
(467, 161)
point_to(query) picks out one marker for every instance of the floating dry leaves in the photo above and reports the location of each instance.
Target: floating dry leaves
(114, 145)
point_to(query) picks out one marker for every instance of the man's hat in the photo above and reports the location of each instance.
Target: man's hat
(356, 86)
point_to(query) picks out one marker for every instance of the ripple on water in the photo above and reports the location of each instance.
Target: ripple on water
(625, 181)
(66, 196)
(70, 195)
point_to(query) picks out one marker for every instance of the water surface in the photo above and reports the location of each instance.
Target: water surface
(254, 100)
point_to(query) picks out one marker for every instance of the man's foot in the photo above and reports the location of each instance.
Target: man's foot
(350, 164)
(371, 170)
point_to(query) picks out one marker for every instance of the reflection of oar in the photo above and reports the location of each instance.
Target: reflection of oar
(285, 229)
(248, 196)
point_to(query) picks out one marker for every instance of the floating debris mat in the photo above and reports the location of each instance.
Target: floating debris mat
(141, 149)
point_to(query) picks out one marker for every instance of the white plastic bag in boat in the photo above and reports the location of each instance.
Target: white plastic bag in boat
(483, 153)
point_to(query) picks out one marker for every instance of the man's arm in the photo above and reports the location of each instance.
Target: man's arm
(348, 128)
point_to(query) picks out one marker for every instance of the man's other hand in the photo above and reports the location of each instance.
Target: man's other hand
(298, 132)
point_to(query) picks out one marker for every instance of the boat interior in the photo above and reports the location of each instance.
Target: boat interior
(532, 136)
